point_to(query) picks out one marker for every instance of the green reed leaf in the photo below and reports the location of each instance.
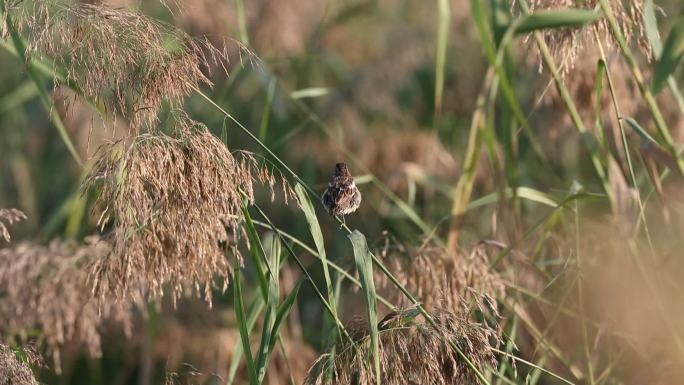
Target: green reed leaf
(252, 314)
(364, 264)
(242, 323)
(669, 58)
(315, 229)
(557, 19)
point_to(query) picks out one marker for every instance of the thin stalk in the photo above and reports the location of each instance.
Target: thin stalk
(587, 137)
(20, 49)
(242, 21)
(645, 91)
(464, 187)
(580, 295)
(444, 19)
(301, 266)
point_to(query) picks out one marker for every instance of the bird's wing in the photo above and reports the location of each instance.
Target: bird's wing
(345, 194)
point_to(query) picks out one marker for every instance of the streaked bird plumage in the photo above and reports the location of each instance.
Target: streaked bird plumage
(342, 197)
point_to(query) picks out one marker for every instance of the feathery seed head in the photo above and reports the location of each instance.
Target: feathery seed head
(412, 351)
(118, 57)
(439, 279)
(568, 44)
(47, 287)
(14, 372)
(176, 203)
(10, 216)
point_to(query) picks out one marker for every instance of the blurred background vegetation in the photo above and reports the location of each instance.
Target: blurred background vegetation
(477, 175)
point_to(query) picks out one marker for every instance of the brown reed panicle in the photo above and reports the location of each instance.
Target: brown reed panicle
(12, 370)
(412, 351)
(9, 216)
(117, 56)
(441, 280)
(176, 204)
(47, 288)
(568, 44)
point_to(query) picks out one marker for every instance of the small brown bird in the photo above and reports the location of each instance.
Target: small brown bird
(342, 197)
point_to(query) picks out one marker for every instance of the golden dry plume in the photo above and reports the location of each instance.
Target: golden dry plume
(9, 216)
(116, 56)
(412, 351)
(175, 202)
(13, 371)
(568, 44)
(439, 279)
(47, 288)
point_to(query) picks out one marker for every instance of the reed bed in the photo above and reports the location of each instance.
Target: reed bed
(518, 226)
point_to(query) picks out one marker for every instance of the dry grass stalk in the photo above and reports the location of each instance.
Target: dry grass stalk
(12, 370)
(9, 216)
(568, 44)
(438, 279)
(47, 288)
(118, 57)
(175, 204)
(412, 352)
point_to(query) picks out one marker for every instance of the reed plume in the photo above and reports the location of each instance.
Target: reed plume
(175, 203)
(117, 57)
(47, 288)
(439, 279)
(8, 217)
(412, 351)
(567, 45)
(13, 371)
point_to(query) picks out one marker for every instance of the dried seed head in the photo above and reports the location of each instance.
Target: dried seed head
(10, 216)
(176, 205)
(118, 57)
(412, 351)
(13, 371)
(46, 287)
(438, 279)
(568, 44)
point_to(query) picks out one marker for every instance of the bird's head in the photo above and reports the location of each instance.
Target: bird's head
(341, 170)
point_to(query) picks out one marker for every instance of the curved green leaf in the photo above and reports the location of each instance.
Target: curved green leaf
(364, 264)
(669, 58)
(570, 17)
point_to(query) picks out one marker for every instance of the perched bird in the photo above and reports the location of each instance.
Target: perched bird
(342, 197)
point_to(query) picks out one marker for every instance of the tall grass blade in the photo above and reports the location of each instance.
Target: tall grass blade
(651, 27)
(283, 311)
(643, 134)
(266, 115)
(252, 314)
(306, 273)
(242, 323)
(495, 58)
(671, 55)
(521, 192)
(20, 49)
(444, 19)
(269, 331)
(653, 36)
(566, 18)
(242, 21)
(310, 93)
(317, 234)
(644, 89)
(364, 264)
(598, 110)
(256, 251)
